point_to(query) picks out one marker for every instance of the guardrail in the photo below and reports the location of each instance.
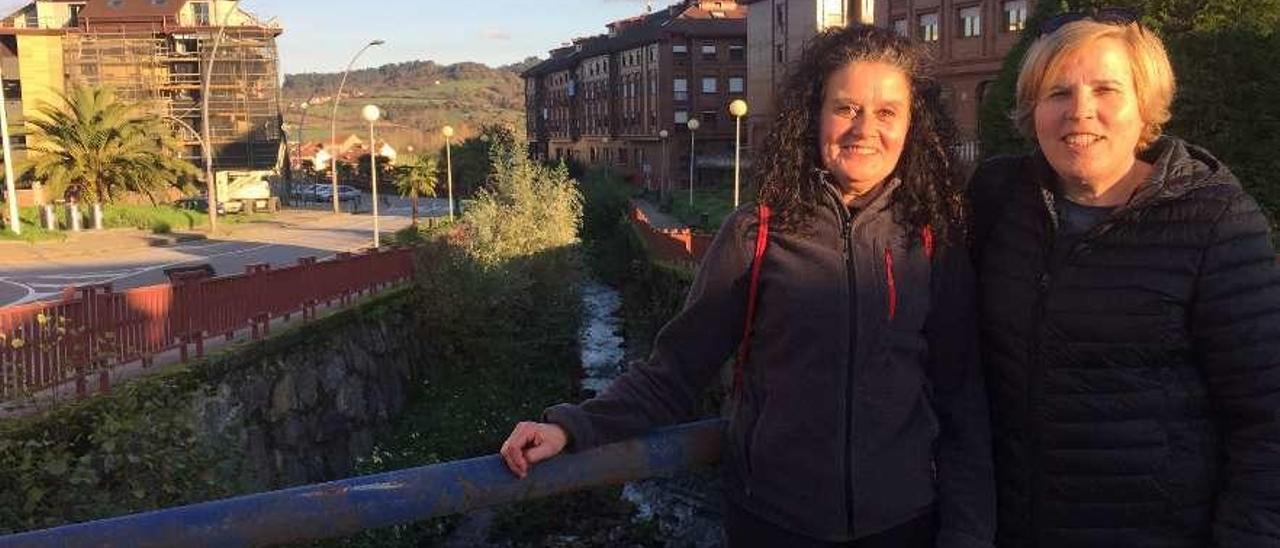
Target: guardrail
(345, 507)
(677, 245)
(93, 329)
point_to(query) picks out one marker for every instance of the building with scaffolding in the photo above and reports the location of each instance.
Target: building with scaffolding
(152, 52)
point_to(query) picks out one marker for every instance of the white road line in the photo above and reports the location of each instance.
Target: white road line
(24, 298)
(87, 275)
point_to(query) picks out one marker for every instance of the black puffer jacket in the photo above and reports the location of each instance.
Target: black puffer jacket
(1135, 381)
(853, 401)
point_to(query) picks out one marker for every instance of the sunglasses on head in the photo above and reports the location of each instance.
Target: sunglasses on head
(1110, 16)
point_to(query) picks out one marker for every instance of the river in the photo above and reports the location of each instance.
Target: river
(686, 507)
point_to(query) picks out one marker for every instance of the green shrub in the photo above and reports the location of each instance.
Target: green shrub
(497, 300)
(148, 217)
(161, 227)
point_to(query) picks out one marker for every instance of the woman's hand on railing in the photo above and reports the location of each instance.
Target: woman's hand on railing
(531, 443)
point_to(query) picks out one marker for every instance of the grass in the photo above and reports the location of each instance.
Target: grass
(715, 202)
(157, 219)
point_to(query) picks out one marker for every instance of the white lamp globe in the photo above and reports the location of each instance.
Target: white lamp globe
(370, 113)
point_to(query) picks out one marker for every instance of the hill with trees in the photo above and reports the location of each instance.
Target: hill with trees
(416, 97)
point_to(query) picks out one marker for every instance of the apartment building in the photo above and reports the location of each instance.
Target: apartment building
(606, 100)
(970, 38)
(151, 52)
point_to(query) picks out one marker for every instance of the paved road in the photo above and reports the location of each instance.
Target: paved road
(301, 234)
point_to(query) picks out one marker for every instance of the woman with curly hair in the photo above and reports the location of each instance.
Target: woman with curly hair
(858, 412)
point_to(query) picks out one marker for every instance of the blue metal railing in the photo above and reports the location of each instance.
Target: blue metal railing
(345, 507)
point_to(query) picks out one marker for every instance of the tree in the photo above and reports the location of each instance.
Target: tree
(473, 157)
(417, 176)
(95, 146)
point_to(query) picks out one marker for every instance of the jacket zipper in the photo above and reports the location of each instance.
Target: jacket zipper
(1035, 379)
(847, 231)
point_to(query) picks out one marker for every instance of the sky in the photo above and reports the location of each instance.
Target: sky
(322, 35)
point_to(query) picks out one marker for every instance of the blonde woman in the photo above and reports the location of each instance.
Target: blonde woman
(1130, 312)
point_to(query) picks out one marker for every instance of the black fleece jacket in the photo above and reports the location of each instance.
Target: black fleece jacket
(830, 438)
(1135, 378)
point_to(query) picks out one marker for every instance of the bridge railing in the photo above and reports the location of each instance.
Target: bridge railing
(93, 329)
(346, 507)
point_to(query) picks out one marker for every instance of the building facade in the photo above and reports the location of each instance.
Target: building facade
(607, 100)
(970, 38)
(152, 53)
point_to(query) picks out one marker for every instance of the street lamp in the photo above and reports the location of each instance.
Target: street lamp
(301, 124)
(447, 131)
(370, 113)
(693, 129)
(333, 119)
(207, 145)
(663, 135)
(738, 108)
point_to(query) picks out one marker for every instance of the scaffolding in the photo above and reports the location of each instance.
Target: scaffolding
(160, 65)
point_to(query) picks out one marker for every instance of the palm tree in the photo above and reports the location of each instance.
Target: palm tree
(95, 147)
(417, 176)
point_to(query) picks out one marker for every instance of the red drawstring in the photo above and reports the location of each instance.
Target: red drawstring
(926, 236)
(762, 241)
(888, 276)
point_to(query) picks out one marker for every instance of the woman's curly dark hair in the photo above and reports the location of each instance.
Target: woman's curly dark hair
(931, 190)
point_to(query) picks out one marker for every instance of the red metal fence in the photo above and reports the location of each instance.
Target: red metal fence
(92, 328)
(671, 245)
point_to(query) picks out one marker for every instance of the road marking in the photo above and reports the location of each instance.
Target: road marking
(28, 290)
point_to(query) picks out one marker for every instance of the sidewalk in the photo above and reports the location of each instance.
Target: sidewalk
(657, 219)
(90, 243)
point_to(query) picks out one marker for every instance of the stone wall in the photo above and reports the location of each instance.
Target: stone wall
(305, 404)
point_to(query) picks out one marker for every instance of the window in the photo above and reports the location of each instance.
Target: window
(679, 51)
(681, 88)
(900, 26)
(32, 18)
(709, 52)
(737, 52)
(970, 22)
(736, 84)
(75, 15)
(622, 156)
(780, 14)
(832, 13)
(12, 89)
(868, 12)
(682, 117)
(929, 27)
(779, 55)
(708, 85)
(201, 12)
(1015, 15)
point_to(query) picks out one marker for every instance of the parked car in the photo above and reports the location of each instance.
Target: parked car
(325, 193)
(198, 203)
(304, 191)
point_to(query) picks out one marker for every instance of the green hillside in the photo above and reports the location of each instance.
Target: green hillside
(417, 98)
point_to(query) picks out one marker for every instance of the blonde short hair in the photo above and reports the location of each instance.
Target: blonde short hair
(1153, 79)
